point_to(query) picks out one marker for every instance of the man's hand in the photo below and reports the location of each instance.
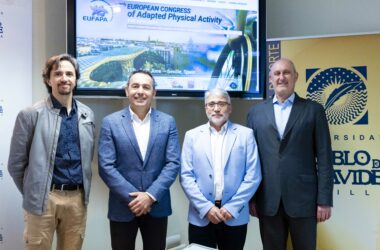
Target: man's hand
(214, 215)
(141, 204)
(226, 215)
(323, 213)
(252, 209)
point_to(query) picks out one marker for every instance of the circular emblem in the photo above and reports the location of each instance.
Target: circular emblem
(101, 10)
(233, 85)
(341, 91)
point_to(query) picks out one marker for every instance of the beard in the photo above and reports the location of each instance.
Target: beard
(65, 89)
(218, 121)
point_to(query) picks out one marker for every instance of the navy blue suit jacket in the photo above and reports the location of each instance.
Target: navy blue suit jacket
(123, 169)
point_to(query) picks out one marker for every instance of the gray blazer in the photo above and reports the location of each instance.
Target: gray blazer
(297, 169)
(33, 147)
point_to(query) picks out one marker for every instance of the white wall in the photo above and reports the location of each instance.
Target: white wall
(298, 18)
(49, 38)
(15, 71)
(285, 18)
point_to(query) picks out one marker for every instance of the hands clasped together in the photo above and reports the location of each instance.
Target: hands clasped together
(217, 215)
(141, 204)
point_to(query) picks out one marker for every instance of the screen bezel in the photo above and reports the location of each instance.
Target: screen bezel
(175, 93)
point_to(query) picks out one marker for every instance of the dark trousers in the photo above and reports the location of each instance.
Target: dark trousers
(153, 233)
(274, 231)
(221, 235)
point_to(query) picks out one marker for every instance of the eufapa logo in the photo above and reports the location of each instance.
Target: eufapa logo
(99, 11)
(342, 92)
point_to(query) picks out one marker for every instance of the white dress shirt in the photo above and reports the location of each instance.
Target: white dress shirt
(218, 153)
(142, 130)
(282, 113)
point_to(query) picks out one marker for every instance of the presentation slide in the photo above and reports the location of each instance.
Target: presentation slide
(186, 44)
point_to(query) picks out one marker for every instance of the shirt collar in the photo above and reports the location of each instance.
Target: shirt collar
(290, 99)
(137, 119)
(58, 105)
(222, 130)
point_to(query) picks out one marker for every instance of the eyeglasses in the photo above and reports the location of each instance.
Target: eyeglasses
(212, 105)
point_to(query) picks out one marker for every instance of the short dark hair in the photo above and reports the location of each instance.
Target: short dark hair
(53, 63)
(146, 72)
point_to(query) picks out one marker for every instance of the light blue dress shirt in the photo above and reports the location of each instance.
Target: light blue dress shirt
(282, 112)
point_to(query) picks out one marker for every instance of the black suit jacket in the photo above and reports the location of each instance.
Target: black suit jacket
(297, 169)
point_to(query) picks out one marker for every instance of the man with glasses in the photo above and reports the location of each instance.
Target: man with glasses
(220, 172)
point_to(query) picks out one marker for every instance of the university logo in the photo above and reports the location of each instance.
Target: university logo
(342, 92)
(99, 11)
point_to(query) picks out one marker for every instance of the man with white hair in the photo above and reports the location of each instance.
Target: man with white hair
(220, 172)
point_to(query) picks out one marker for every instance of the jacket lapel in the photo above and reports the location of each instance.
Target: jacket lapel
(154, 129)
(269, 113)
(205, 141)
(126, 121)
(230, 138)
(297, 109)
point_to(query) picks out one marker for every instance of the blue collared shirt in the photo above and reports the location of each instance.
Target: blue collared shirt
(282, 112)
(67, 165)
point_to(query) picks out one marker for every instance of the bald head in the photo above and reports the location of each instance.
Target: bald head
(283, 76)
(284, 60)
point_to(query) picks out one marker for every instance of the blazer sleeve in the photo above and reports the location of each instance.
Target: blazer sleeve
(324, 159)
(251, 180)
(189, 180)
(107, 158)
(170, 170)
(20, 146)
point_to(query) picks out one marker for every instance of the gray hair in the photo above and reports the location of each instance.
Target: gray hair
(218, 92)
(286, 60)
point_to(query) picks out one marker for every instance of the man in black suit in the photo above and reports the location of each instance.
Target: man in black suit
(294, 146)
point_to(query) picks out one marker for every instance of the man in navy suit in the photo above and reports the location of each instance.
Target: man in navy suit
(220, 172)
(139, 160)
(294, 144)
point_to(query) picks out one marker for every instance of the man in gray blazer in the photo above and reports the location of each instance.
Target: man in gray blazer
(50, 160)
(139, 160)
(294, 146)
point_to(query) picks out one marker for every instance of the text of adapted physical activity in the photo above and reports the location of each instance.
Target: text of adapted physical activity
(177, 14)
